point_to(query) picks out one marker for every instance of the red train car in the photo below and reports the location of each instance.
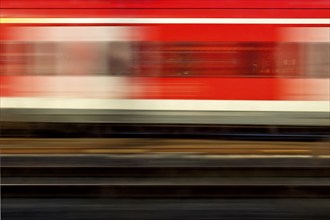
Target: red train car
(205, 59)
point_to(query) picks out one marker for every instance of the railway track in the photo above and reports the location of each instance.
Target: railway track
(263, 132)
(195, 179)
(148, 176)
(157, 146)
(103, 187)
(165, 209)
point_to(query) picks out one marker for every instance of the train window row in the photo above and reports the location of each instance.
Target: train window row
(69, 58)
(177, 59)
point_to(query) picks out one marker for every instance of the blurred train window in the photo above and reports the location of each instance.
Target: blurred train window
(257, 59)
(289, 60)
(82, 58)
(119, 58)
(317, 60)
(148, 59)
(217, 59)
(16, 58)
(66, 58)
(177, 59)
(207, 59)
(44, 58)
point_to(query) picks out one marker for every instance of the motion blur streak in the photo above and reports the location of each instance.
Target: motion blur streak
(163, 109)
(72, 63)
(164, 21)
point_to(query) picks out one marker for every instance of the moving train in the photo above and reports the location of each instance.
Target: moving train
(246, 62)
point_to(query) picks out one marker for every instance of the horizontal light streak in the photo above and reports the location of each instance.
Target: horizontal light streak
(166, 105)
(165, 21)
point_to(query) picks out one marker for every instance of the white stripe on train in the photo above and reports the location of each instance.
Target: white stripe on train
(166, 105)
(165, 20)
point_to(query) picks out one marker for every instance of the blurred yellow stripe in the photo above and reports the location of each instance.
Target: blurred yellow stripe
(285, 151)
(23, 20)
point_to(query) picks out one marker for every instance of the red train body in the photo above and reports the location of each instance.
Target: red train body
(243, 56)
